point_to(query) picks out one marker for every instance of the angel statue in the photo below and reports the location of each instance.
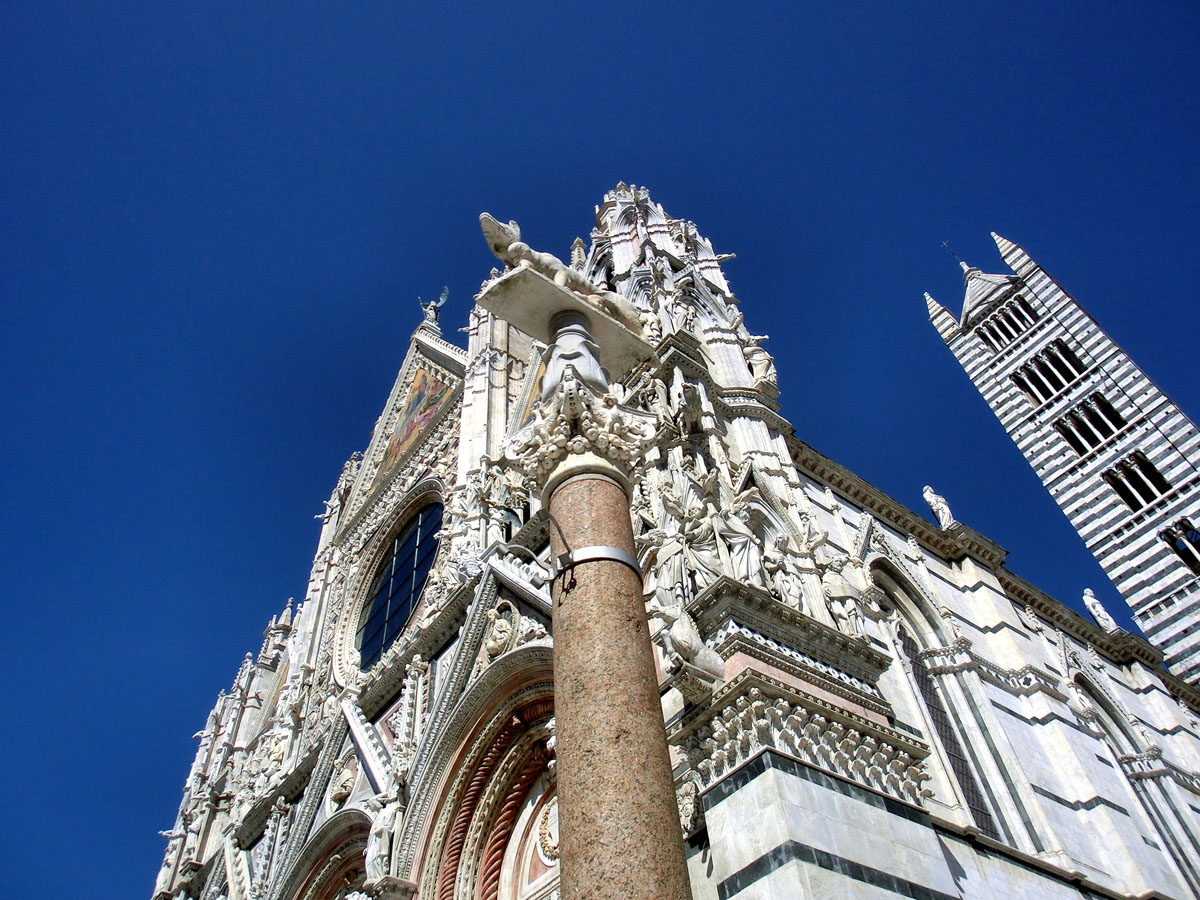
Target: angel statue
(433, 307)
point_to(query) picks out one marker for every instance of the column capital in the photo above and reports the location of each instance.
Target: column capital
(578, 431)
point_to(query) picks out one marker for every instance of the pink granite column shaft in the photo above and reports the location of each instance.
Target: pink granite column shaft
(619, 822)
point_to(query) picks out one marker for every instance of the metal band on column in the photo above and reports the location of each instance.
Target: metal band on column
(592, 553)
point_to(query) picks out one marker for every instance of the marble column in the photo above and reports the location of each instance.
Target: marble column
(619, 831)
(619, 821)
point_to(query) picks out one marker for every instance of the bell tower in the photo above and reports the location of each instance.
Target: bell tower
(1121, 459)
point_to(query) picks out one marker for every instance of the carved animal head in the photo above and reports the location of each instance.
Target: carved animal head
(499, 237)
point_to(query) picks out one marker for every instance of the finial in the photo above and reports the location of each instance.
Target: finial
(578, 253)
(946, 246)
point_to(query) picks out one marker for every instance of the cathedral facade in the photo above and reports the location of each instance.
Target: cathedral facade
(1118, 456)
(856, 702)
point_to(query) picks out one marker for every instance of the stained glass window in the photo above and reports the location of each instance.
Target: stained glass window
(398, 583)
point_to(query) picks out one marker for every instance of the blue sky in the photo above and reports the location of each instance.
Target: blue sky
(217, 218)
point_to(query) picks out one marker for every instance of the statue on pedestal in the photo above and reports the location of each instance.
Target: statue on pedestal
(941, 509)
(505, 241)
(783, 573)
(379, 842)
(1099, 613)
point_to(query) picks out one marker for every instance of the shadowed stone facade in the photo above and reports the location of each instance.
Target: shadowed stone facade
(856, 702)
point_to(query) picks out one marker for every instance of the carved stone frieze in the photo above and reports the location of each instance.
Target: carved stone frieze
(754, 711)
(959, 657)
(1150, 764)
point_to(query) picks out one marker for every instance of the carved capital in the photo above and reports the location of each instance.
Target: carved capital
(578, 429)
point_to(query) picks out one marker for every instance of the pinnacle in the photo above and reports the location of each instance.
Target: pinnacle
(1004, 245)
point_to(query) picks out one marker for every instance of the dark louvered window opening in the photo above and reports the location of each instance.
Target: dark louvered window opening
(398, 584)
(946, 734)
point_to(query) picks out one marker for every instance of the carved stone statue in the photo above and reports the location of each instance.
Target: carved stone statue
(651, 326)
(744, 546)
(508, 629)
(379, 842)
(499, 498)
(691, 810)
(843, 596)
(941, 509)
(682, 642)
(343, 783)
(505, 241)
(191, 844)
(500, 634)
(1080, 700)
(664, 548)
(812, 538)
(163, 882)
(1099, 613)
(761, 363)
(784, 576)
(701, 563)
(432, 309)
(688, 408)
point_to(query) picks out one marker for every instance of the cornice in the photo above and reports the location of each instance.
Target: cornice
(954, 543)
(728, 599)
(447, 354)
(959, 540)
(1120, 646)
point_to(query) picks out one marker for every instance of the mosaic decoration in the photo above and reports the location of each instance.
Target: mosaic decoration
(426, 397)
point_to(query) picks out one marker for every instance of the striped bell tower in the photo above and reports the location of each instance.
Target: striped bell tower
(1121, 459)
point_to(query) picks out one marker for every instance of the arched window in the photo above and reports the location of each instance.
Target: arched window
(943, 725)
(948, 736)
(398, 583)
(1174, 827)
(1184, 538)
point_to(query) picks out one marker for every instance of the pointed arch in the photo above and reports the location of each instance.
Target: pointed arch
(478, 773)
(331, 859)
(917, 628)
(1106, 714)
(1176, 831)
(909, 599)
(600, 266)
